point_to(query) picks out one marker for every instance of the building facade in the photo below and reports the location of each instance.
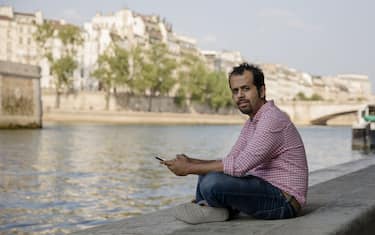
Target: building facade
(17, 43)
(129, 29)
(222, 60)
(16, 36)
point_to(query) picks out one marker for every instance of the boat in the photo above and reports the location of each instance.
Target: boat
(363, 131)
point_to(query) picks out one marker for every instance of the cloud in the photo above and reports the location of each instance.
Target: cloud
(284, 19)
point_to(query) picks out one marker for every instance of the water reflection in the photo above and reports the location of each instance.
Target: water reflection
(68, 177)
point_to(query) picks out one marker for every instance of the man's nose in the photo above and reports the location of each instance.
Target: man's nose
(240, 93)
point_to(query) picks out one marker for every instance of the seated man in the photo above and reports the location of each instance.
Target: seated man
(264, 175)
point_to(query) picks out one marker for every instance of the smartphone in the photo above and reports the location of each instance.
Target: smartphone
(160, 159)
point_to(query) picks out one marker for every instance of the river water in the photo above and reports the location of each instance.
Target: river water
(64, 178)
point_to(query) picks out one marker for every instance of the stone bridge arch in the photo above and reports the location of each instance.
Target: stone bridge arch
(323, 120)
(303, 112)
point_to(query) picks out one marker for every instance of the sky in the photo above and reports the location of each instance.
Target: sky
(320, 37)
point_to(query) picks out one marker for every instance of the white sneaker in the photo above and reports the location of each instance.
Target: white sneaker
(193, 213)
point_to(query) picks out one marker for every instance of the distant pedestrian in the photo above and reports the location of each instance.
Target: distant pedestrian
(264, 175)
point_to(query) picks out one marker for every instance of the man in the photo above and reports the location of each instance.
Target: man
(264, 175)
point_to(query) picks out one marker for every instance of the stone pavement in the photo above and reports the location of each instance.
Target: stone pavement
(344, 205)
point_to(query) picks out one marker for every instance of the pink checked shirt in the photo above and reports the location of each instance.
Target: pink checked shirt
(271, 148)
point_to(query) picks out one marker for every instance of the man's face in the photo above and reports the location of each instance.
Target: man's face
(245, 93)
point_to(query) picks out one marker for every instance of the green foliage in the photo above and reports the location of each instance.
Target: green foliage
(42, 35)
(44, 32)
(156, 75)
(104, 71)
(220, 94)
(201, 85)
(192, 78)
(314, 97)
(71, 37)
(301, 96)
(136, 64)
(141, 70)
(113, 70)
(360, 99)
(149, 72)
(180, 97)
(63, 66)
(152, 71)
(120, 66)
(63, 69)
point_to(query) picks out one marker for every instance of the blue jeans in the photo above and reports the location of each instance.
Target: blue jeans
(249, 194)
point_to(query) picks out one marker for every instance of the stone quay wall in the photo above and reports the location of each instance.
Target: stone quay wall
(95, 101)
(338, 203)
(20, 96)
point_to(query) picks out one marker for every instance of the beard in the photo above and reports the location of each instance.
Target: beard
(245, 109)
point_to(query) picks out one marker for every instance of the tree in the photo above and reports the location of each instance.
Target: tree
(43, 37)
(156, 76)
(201, 85)
(192, 80)
(105, 76)
(301, 96)
(316, 97)
(113, 69)
(138, 70)
(63, 65)
(63, 69)
(219, 94)
(70, 36)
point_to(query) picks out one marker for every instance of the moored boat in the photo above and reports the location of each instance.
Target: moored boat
(363, 131)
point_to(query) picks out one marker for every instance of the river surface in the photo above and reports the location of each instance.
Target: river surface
(63, 178)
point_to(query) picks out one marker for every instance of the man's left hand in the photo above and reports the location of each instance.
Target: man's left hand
(180, 165)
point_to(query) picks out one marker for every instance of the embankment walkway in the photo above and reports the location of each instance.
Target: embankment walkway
(120, 117)
(345, 204)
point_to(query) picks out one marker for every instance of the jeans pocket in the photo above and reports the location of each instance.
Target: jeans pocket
(277, 213)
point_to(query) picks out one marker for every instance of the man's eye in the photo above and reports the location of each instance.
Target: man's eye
(246, 88)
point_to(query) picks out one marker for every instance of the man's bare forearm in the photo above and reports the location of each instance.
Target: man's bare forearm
(197, 161)
(183, 165)
(202, 167)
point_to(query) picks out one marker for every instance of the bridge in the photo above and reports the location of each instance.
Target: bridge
(318, 112)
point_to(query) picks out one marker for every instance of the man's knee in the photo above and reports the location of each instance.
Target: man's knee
(212, 184)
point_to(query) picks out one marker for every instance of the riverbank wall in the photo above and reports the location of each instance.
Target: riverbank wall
(95, 101)
(155, 118)
(124, 108)
(342, 205)
(143, 118)
(20, 96)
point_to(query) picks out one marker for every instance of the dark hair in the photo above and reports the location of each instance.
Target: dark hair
(255, 70)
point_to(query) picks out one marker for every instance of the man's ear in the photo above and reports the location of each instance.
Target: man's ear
(262, 92)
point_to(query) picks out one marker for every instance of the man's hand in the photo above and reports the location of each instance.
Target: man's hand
(183, 165)
(180, 165)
